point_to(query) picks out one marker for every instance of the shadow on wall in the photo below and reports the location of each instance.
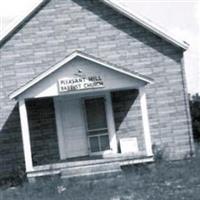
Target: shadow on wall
(43, 134)
(127, 115)
(136, 31)
(123, 101)
(11, 148)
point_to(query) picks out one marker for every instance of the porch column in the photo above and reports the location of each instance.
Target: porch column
(25, 136)
(110, 120)
(145, 120)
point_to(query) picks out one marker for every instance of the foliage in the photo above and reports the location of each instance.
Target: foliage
(158, 153)
(195, 114)
(16, 178)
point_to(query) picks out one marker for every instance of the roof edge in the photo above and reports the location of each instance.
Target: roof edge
(67, 59)
(19, 20)
(116, 6)
(146, 24)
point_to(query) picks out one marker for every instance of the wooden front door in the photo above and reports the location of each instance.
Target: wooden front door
(75, 139)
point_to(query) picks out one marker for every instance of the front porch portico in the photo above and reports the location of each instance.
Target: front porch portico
(90, 122)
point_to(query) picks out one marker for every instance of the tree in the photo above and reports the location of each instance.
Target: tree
(195, 114)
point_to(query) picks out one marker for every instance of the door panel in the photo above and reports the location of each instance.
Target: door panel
(73, 129)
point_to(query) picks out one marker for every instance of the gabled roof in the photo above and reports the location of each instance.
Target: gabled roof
(116, 6)
(68, 59)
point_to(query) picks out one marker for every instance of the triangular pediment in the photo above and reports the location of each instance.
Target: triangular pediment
(80, 72)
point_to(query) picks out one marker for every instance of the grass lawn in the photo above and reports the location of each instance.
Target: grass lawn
(161, 181)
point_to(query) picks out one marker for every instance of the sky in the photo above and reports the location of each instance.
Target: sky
(180, 17)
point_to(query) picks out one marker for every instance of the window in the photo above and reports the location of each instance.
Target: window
(97, 129)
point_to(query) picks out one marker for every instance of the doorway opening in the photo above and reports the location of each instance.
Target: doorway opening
(96, 125)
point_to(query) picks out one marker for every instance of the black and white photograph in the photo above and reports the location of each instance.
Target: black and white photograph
(99, 99)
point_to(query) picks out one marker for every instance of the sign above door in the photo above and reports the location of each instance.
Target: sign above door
(80, 83)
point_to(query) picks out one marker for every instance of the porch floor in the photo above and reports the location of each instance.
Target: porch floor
(92, 162)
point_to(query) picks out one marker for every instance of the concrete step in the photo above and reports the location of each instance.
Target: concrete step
(95, 178)
(92, 171)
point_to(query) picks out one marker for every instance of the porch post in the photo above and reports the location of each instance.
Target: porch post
(145, 120)
(25, 136)
(111, 123)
